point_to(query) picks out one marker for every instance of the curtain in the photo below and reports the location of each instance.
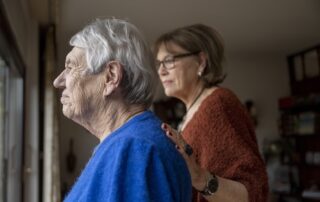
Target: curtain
(51, 192)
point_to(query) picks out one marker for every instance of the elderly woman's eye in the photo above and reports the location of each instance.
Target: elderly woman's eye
(68, 68)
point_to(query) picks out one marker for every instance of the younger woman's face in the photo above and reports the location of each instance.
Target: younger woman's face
(178, 80)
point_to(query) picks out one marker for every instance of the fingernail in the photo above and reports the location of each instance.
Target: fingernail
(177, 147)
(169, 133)
(164, 126)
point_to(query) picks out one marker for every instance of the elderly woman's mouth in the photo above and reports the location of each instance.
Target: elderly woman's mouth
(63, 99)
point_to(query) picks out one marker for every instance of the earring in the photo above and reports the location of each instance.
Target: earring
(200, 73)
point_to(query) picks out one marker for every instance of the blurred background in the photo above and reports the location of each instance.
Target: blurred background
(272, 62)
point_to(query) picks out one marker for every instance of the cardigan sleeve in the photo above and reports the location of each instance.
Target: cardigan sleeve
(224, 141)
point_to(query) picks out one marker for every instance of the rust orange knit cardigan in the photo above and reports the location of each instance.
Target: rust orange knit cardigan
(223, 138)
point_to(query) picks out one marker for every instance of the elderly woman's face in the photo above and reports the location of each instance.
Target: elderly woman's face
(177, 81)
(80, 89)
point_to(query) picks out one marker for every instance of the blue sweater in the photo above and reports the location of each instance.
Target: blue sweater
(135, 163)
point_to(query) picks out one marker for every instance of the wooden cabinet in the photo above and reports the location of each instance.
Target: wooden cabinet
(299, 126)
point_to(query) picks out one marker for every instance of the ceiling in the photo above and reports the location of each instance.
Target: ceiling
(247, 26)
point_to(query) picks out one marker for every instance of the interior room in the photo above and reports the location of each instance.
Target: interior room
(272, 63)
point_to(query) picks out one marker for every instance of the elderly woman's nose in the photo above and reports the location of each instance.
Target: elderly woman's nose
(59, 82)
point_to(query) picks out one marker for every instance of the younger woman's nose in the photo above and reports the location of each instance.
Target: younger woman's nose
(162, 70)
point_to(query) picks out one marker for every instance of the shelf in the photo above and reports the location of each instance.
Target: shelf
(285, 194)
(308, 166)
(300, 109)
(313, 195)
(300, 113)
(307, 196)
(303, 165)
(301, 136)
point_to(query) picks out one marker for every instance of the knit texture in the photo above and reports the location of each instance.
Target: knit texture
(136, 163)
(224, 141)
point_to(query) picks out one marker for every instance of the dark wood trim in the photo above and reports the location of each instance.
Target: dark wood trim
(43, 32)
(306, 85)
(41, 81)
(318, 52)
(305, 50)
(304, 71)
(10, 43)
(292, 75)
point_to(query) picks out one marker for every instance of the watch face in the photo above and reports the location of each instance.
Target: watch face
(213, 185)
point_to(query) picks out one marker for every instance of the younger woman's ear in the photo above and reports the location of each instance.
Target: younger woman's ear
(113, 75)
(202, 61)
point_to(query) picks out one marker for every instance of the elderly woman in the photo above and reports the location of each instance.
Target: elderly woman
(218, 140)
(107, 86)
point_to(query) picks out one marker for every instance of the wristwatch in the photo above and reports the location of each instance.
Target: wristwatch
(211, 186)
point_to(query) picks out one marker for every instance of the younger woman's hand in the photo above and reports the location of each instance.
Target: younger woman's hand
(197, 173)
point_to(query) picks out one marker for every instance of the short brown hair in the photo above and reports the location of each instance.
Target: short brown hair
(199, 37)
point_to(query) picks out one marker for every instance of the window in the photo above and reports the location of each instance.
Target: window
(3, 74)
(11, 127)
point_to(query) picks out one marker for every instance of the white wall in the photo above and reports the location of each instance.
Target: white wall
(263, 78)
(83, 145)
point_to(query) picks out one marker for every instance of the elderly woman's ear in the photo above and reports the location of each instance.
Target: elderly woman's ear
(113, 75)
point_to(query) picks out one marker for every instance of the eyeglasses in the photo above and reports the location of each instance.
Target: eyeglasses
(168, 62)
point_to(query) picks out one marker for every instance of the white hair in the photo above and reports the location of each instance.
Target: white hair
(114, 39)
